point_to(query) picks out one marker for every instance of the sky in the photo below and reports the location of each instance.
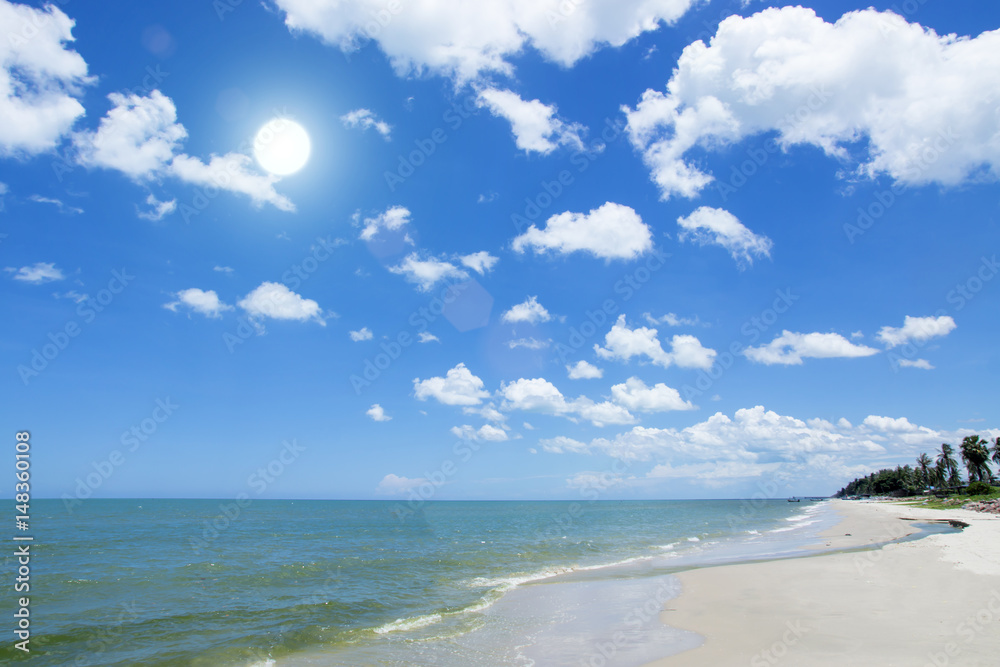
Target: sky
(547, 250)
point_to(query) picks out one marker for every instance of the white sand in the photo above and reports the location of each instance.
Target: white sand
(933, 601)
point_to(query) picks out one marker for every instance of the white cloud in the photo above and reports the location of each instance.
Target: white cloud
(535, 125)
(481, 262)
(159, 210)
(487, 432)
(916, 363)
(529, 343)
(672, 320)
(922, 101)
(563, 445)
(528, 310)
(426, 273)
(466, 40)
(393, 484)
(791, 348)
(540, 395)
(40, 78)
(635, 395)
(377, 413)
(716, 226)
(622, 343)
(426, 337)
(38, 273)
(63, 208)
(918, 329)
(366, 120)
(363, 334)
(392, 219)
(458, 387)
(140, 137)
(610, 232)
(205, 302)
(223, 269)
(584, 370)
(233, 172)
(276, 301)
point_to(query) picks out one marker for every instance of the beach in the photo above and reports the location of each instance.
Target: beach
(930, 601)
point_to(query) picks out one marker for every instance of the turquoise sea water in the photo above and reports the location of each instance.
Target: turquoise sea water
(286, 583)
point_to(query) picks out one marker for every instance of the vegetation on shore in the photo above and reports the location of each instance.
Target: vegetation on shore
(941, 475)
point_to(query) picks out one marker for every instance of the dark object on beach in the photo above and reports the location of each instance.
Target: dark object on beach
(795, 500)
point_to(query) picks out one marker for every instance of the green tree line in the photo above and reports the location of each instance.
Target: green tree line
(943, 471)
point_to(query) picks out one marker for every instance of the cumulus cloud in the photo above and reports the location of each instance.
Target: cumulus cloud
(487, 432)
(36, 274)
(870, 75)
(791, 348)
(426, 273)
(716, 226)
(481, 262)
(672, 320)
(528, 310)
(276, 301)
(635, 395)
(40, 78)
(393, 218)
(204, 302)
(612, 231)
(528, 343)
(584, 370)
(916, 329)
(563, 445)
(392, 484)
(377, 413)
(140, 137)
(540, 395)
(916, 363)
(158, 209)
(466, 40)
(366, 120)
(536, 126)
(623, 343)
(458, 387)
(362, 334)
(426, 337)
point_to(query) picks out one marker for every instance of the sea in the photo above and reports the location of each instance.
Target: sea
(294, 583)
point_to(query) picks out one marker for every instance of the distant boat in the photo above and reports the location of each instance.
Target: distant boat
(795, 500)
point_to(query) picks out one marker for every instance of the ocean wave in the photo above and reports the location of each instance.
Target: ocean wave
(403, 624)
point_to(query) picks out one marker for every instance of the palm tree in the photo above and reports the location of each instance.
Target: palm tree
(924, 466)
(996, 451)
(974, 456)
(948, 466)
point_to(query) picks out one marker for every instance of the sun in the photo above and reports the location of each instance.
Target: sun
(282, 146)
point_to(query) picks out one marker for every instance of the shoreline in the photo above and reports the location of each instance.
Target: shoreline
(931, 601)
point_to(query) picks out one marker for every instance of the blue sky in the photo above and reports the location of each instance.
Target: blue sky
(601, 249)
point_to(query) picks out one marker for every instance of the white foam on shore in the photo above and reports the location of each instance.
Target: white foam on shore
(402, 624)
